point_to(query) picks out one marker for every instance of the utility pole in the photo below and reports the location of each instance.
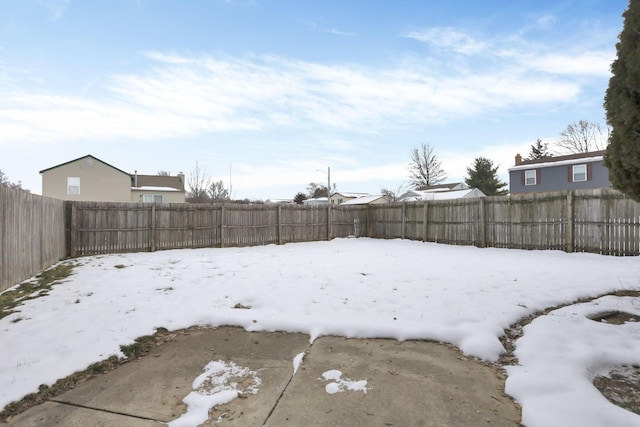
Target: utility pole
(230, 187)
(328, 183)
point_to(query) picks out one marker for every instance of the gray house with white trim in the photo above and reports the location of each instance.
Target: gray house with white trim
(572, 172)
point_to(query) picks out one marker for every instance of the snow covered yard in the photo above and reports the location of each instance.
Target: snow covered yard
(351, 287)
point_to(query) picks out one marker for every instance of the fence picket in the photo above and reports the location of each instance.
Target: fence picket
(37, 231)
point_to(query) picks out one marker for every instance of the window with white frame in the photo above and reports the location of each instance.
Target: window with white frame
(579, 173)
(73, 185)
(152, 198)
(530, 177)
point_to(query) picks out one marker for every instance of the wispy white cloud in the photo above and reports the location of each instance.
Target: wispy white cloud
(56, 8)
(180, 95)
(538, 22)
(579, 63)
(591, 58)
(448, 38)
(546, 21)
(337, 32)
(330, 30)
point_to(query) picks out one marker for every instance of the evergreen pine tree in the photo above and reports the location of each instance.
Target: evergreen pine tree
(300, 198)
(484, 177)
(539, 151)
(622, 103)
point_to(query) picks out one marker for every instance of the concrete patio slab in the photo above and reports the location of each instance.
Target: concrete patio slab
(61, 415)
(411, 383)
(407, 383)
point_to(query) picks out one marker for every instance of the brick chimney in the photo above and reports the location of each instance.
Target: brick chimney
(518, 159)
(181, 178)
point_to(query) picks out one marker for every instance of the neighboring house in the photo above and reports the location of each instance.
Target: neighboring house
(366, 200)
(157, 188)
(426, 195)
(341, 197)
(315, 201)
(281, 201)
(444, 187)
(571, 172)
(336, 198)
(89, 178)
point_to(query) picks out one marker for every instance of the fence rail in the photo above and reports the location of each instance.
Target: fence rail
(98, 227)
(600, 221)
(32, 235)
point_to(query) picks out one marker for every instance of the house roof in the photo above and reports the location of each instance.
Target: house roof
(315, 201)
(591, 156)
(152, 188)
(364, 200)
(415, 195)
(442, 187)
(347, 194)
(147, 182)
(80, 158)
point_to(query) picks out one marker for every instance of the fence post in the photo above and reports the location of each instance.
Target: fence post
(72, 230)
(222, 226)
(570, 223)
(425, 221)
(328, 219)
(193, 227)
(279, 224)
(483, 224)
(152, 232)
(606, 242)
(368, 221)
(404, 219)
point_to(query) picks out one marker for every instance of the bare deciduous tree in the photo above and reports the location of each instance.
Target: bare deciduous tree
(198, 183)
(389, 194)
(217, 191)
(392, 195)
(315, 190)
(425, 168)
(582, 136)
(5, 182)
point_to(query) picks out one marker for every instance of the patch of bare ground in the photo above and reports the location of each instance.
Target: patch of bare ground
(615, 317)
(621, 386)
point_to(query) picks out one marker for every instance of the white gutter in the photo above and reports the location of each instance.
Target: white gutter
(559, 163)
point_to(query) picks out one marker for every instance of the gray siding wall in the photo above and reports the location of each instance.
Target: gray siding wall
(556, 178)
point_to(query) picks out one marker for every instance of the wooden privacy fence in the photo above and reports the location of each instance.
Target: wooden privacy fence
(32, 235)
(600, 221)
(98, 227)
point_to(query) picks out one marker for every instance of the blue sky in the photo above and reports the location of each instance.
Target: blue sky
(277, 91)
